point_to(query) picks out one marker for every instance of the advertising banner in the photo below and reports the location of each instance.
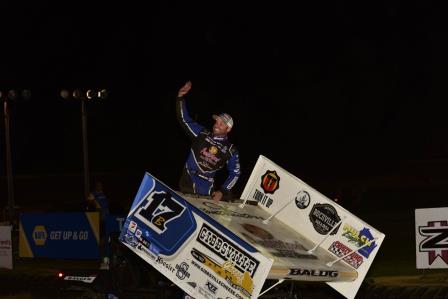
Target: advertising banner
(5, 247)
(431, 236)
(198, 254)
(59, 235)
(351, 241)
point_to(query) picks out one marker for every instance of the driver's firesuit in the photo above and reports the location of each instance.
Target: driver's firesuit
(208, 154)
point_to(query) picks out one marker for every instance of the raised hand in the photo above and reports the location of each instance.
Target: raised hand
(184, 89)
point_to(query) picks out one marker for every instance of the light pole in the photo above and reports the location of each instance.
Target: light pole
(8, 97)
(85, 150)
(84, 97)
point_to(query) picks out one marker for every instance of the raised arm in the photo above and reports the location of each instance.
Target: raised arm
(191, 127)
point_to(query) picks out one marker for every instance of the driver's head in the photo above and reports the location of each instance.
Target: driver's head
(223, 124)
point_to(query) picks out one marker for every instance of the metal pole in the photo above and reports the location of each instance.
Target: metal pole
(85, 149)
(8, 164)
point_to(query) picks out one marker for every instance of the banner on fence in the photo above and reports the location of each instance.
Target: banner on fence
(59, 235)
(431, 236)
(5, 247)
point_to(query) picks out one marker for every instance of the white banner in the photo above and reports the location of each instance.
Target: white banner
(201, 256)
(350, 241)
(431, 236)
(5, 247)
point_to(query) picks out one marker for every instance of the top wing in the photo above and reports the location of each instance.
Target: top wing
(287, 248)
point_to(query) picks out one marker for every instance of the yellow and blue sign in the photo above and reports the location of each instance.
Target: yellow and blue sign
(59, 235)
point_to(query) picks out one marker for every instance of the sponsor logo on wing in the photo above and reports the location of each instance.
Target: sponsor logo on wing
(182, 271)
(359, 238)
(131, 240)
(211, 287)
(144, 242)
(339, 249)
(302, 199)
(192, 284)
(436, 240)
(324, 217)
(165, 264)
(132, 226)
(241, 282)
(227, 250)
(313, 272)
(270, 182)
(205, 293)
(262, 198)
(146, 250)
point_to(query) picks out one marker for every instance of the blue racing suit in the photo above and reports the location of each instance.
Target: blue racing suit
(208, 154)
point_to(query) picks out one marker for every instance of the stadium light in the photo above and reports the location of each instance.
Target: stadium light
(7, 97)
(85, 95)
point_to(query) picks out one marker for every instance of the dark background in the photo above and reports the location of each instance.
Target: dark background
(347, 96)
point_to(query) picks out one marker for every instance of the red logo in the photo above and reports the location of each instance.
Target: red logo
(270, 182)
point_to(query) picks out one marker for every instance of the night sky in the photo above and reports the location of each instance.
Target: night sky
(337, 88)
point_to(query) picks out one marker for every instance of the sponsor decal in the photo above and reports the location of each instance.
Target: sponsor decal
(158, 210)
(205, 293)
(138, 233)
(211, 287)
(132, 226)
(216, 209)
(359, 238)
(213, 150)
(227, 250)
(302, 199)
(192, 284)
(209, 156)
(262, 198)
(141, 244)
(39, 235)
(5, 244)
(241, 282)
(144, 242)
(182, 271)
(86, 279)
(324, 217)
(146, 250)
(167, 266)
(313, 272)
(270, 182)
(339, 249)
(436, 240)
(131, 240)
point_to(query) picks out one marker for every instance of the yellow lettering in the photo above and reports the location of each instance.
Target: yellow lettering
(159, 221)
